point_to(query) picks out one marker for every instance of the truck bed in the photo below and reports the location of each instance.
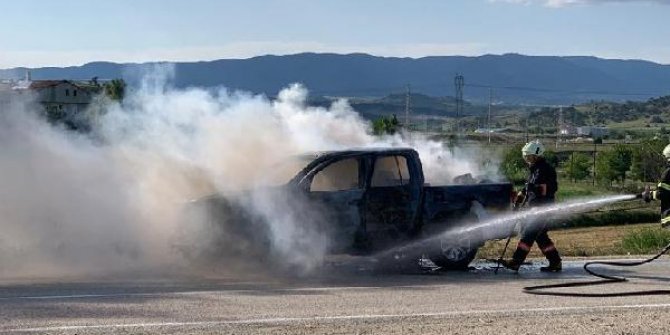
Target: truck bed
(441, 201)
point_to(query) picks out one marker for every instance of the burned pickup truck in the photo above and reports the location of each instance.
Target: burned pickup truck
(365, 201)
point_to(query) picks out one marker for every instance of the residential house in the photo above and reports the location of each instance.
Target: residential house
(63, 100)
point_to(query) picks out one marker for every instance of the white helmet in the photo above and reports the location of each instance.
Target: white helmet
(535, 148)
(666, 152)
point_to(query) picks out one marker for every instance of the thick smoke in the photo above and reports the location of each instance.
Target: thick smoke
(113, 199)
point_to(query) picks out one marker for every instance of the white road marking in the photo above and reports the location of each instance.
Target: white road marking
(333, 318)
(222, 291)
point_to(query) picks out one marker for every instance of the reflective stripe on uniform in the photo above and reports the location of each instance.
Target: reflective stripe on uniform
(655, 195)
(665, 219)
(664, 186)
(548, 248)
(523, 246)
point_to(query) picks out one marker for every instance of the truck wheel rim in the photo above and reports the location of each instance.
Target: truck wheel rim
(453, 253)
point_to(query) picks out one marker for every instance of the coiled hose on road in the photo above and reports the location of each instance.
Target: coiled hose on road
(545, 289)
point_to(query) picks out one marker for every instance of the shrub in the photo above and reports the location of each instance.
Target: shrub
(613, 217)
(647, 160)
(513, 166)
(578, 166)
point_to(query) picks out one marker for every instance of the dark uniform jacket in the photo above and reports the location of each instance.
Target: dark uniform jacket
(541, 173)
(662, 193)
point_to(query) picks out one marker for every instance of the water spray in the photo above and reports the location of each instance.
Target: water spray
(503, 226)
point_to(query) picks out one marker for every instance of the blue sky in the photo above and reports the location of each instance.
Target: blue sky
(73, 32)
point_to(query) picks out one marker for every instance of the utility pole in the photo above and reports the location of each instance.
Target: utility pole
(593, 112)
(408, 97)
(595, 153)
(459, 82)
(559, 126)
(572, 164)
(488, 126)
(526, 127)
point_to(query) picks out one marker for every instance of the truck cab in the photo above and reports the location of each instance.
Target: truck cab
(381, 200)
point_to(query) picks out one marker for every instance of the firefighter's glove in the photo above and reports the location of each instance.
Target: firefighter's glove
(520, 197)
(518, 200)
(531, 189)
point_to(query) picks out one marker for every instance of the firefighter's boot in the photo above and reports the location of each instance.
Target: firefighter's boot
(511, 264)
(554, 266)
(519, 256)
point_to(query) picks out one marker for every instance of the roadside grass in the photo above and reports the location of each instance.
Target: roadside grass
(593, 241)
(646, 240)
(615, 215)
(568, 190)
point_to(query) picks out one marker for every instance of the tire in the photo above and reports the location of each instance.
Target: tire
(454, 252)
(453, 256)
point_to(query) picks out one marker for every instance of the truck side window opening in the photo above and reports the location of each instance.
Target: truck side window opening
(390, 171)
(338, 176)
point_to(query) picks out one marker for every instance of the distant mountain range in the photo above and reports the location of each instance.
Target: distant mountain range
(513, 78)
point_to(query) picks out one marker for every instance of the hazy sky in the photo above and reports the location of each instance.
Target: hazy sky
(73, 32)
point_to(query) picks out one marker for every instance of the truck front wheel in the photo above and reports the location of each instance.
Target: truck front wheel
(457, 249)
(454, 255)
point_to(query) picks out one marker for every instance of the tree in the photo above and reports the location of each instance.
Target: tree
(115, 89)
(621, 161)
(656, 119)
(385, 125)
(612, 164)
(551, 158)
(513, 166)
(647, 160)
(578, 166)
(603, 169)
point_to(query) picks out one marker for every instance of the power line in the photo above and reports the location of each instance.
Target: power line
(489, 116)
(408, 98)
(441, 85)
(549, 90)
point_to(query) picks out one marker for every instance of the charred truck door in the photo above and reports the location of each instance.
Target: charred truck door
(335, 189)
(392, 199)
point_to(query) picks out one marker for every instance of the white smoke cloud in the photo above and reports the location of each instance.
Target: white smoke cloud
(564, 3)
(113, 200)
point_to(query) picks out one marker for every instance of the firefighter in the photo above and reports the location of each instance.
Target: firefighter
(539, 190)
(662, 191)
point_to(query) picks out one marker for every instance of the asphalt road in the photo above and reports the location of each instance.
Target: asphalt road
(346, 302)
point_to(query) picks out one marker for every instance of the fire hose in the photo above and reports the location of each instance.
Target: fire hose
(605, 279)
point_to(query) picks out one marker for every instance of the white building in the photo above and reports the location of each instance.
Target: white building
(567, 130)
(491, 130)
(593, 131)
